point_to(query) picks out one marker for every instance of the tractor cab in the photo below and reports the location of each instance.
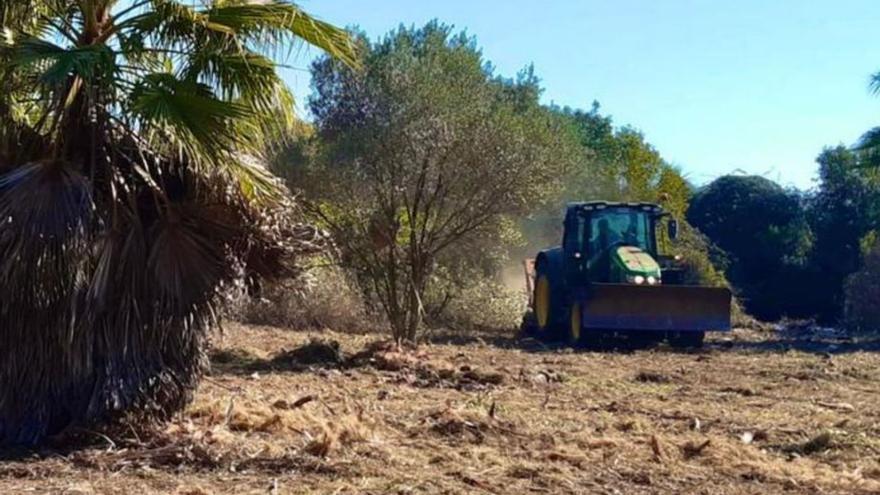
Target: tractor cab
(614, 242)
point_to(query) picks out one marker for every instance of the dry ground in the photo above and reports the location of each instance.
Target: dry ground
(752, 413)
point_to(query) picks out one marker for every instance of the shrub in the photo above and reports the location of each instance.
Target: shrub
(762, 228)
(699, 258)
(862, 291)
(482, 304)
(322, 298)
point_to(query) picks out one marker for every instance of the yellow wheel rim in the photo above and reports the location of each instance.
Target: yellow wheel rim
(574, 331)
(542, 301)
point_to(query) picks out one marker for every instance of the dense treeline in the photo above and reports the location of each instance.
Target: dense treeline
(791, 253)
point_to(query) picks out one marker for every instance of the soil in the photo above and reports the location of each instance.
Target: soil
(292, 412)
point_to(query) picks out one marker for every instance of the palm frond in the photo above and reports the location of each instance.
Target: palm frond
(269, 23)
(240, 75)
(874, 83)
(55, 65)
(254, 180)
(187, 115)
(868, 147)
(48, 220)
(188, 259)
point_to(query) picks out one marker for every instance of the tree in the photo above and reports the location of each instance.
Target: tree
(422, 151)
(844, 210)
(763, 230)
(861, 311)
(620, 165)
(130, 137)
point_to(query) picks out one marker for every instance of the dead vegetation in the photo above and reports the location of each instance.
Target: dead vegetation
(286, 412)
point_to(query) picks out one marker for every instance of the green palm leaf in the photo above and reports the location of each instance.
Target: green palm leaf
(869, 148)
(869, 143)
(187, 114)
(56, 64)
(271, 22)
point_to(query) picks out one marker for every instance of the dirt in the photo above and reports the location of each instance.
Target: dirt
(291, 412)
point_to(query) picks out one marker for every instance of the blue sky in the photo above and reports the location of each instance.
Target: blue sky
(758, 86)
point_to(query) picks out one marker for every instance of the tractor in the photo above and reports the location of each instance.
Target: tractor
(609, 280)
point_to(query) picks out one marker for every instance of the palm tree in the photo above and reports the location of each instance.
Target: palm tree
(869, 143)
(131, 193)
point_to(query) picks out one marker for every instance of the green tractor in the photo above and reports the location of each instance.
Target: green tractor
(608, 279)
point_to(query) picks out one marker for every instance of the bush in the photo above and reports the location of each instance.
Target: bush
(322, 298)
(481, 304)
(699, 258)
(842, 213)
(862, 308)
(762, 228)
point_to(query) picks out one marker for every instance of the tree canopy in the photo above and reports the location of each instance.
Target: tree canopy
(423, 150)
(763, 229)
(844, 215)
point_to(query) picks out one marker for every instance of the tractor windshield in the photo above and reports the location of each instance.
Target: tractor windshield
(619, 227)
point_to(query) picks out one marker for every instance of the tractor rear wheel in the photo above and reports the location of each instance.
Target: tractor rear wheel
(529, 325)
(546, 319)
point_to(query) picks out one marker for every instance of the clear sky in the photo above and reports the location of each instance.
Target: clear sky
(755, 85)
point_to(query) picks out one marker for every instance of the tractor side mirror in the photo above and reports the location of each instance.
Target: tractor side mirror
(672, 229)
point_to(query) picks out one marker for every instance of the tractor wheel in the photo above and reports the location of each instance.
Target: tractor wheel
(546, 321)
(686, 340)
(573, 335)
(529, 325)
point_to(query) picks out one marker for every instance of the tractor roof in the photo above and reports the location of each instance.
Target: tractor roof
(600, 205)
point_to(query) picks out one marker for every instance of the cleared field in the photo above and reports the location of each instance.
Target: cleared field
(752, 413)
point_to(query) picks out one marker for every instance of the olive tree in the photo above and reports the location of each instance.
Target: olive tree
(422, 152)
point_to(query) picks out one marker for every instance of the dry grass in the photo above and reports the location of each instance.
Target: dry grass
(751, 414)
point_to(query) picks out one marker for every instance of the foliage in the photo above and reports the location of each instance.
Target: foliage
(790, 254)
(421, 152)
(476, 304)
(131, 192)
(764, 232)
(703, 262)
(619, 164)
(862, 295)
(868, 146)
(844, 210)
(322, 298)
